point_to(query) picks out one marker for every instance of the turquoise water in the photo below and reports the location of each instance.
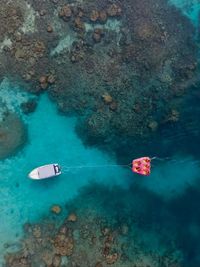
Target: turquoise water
(189, 8)
(52, 138)
(170, 194)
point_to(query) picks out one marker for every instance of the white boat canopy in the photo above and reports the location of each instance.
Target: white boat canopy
(45, 171)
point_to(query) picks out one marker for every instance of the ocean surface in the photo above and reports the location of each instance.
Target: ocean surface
(52, 138)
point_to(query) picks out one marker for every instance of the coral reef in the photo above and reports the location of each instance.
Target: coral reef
(29, 106)
(56, 209)
(12, 134)
(90, 238)
(141, 53)
(123, 67)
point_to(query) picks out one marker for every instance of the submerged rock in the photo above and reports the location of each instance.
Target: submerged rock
(107, 98)
(47, 258)
(65, 12)
(56, 209)
(94, 15)
(18, 261)
(63, 245)
(49, 29)
(103, 16)
(36, 231)
(153, 125)
(51, 79)
(78, 24)
(72, 217)
(113, 106)
(97, 35)
(56, 261)
(12, 135)
(43, 82)
(111, 258)
(114, 10)
(29, 106)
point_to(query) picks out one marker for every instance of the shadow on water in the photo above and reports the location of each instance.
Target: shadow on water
(46, 183)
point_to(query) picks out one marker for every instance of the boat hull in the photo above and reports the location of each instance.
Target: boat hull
(45, 172)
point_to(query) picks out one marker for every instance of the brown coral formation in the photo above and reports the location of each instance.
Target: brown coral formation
(83, 244)
(12, 17)
(133, 50)
(56, 209)
(63, 245)
(12, 135)
(94, 15)
(114, 10)
(65, 12)
(72, 217)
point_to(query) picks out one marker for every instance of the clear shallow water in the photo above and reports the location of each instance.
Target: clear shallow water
(51, 139)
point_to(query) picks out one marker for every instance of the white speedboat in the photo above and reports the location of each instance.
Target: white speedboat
(45, 171)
